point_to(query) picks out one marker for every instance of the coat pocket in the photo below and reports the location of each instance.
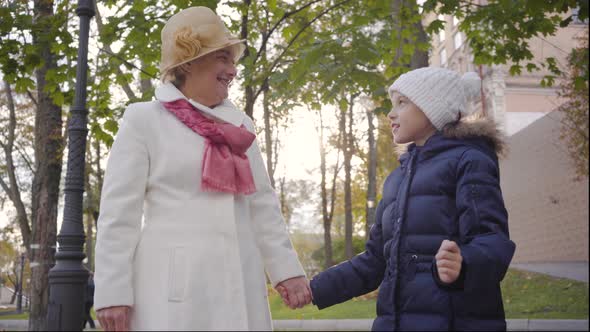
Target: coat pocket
(178, 274)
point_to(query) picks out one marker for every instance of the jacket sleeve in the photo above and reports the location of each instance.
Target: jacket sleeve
(279, 258)
(121, 211)
(483, 222)
(360, 275)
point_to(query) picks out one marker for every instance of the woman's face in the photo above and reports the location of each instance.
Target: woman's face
(209, 77)
(408, 122)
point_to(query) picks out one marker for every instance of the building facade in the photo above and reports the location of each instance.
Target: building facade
(548, 209)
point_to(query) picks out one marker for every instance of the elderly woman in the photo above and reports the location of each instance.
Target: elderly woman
(189, 164)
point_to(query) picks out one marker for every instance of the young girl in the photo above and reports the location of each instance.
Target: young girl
(439, 247)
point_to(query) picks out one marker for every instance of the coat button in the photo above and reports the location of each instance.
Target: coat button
(398, 220)
(414, 257)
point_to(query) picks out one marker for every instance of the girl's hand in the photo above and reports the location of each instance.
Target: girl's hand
(448, 261)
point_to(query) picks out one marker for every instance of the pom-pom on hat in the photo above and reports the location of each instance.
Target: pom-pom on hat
(440, 93)
(192, 33)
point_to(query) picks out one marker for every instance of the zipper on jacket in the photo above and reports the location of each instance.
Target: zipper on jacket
(418, 258)
(473, 194)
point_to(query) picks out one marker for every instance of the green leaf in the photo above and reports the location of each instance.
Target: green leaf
(515, 70)
(580, 83)
(58, 98)
(272, 4)
(435, 26)
(111, 125)
(566, 21)
(530, 67)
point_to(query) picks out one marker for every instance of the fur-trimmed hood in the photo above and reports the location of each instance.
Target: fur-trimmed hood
(475, 130)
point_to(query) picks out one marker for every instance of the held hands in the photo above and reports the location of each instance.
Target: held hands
(295, 292)
(448, 261)
(114, 318)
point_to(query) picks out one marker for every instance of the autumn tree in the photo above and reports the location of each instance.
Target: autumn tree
(574, 89)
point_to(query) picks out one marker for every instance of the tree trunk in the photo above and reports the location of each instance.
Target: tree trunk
(268, 136)
(267, 126)
(327, 220)
(248, 88)
(90, 240)
(347, 145)
(285, 208)
(145, 85)
(419, 58)
(48, 162)
(99, 181)
(89, 208)
(13, 297)
(372, 181)
(98, 169)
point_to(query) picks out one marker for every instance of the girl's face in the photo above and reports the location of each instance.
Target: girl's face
(209, 77)
(408, 122)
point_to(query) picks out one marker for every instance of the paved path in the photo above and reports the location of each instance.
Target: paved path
(570, 270)
(365, 325)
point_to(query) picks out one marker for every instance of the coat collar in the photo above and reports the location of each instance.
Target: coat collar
(226, 111)
(475, 131)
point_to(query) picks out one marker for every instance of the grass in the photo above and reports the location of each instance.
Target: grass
(355, 308)
(526, 295)
(24, 315)
(534, 295)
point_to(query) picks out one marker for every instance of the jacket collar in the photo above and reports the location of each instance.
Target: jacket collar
(478, 132)
(226, 111)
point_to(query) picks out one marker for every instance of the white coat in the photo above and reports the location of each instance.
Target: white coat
(197, 260)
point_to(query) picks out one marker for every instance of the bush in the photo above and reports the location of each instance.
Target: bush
(338, 255)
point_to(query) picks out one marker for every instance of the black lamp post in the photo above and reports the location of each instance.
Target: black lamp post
(68, 278)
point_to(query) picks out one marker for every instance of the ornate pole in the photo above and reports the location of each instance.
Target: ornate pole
(68, 278)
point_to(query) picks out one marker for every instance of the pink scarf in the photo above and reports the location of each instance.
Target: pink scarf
(226, 167)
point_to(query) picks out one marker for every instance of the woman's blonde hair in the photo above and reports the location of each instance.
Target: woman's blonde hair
(177, 75)
(188, 45)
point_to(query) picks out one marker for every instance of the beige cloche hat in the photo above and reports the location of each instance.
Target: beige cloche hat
(192, 33)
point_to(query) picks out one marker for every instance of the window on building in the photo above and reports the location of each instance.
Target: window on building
(455, 21)
(458, 40)
(443, 56)
(441, 34)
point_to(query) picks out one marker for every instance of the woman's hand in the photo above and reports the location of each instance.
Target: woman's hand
(295, 292)
(114, 318)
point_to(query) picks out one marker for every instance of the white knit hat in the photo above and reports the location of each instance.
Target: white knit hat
(440, 93)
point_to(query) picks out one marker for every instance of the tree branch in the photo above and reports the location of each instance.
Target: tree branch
(25, 158)
(308, 24)
(276, 25)
(6, 188)
(32, 98)
(337, 168)
(14, 193)
(126, 88)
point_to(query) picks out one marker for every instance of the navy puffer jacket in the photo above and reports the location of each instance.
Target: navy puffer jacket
(447, 189)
